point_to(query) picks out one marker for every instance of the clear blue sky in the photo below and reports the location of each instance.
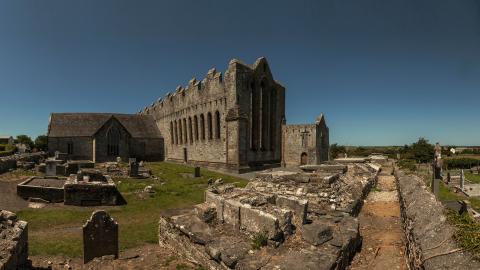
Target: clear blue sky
(384, 72)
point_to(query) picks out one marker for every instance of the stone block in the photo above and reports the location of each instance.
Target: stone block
(217, 201)
(299, 207)
(316, 233)
(100, 236)
(257, 221)
(231, 213)
(206, 212)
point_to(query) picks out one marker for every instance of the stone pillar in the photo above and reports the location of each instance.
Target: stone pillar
(436, 187)
(462, 180)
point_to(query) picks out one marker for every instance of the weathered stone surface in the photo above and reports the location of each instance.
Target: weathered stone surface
(13, 241)
(316, 233)
(206, 212)
(100, 236)
(279, 210)
(426, 228)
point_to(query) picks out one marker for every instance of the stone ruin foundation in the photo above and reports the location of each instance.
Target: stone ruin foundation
(46, 188)
(89, 187)
(13, 242)
(303, 220)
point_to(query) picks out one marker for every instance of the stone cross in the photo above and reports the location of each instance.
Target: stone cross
(304, 137)
(100, 236)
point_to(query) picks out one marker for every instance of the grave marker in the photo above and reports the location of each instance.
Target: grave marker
(100, 236)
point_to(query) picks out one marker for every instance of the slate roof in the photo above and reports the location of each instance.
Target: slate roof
(87, 124)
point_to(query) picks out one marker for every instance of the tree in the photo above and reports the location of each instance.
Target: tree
(422, 151)
(24, 139)
(41, 142)
(335, 150)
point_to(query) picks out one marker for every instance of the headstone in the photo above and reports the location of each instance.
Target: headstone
(197, 172)
(437, 163)
(100, 236)
(51, 167)
(436, 186)
(449, 178)
(133, 169)
(119, 159)
(462, 180)
(131, 160)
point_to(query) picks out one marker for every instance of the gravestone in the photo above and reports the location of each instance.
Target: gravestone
(133, 169)
(131, 160)
(197, 172)
(51, 167)
(100, 236)
(119, 159)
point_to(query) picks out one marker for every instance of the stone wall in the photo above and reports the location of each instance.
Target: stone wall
(13, 241)
(428, 234)
(10, 162)
(231, 121)
(82, 147)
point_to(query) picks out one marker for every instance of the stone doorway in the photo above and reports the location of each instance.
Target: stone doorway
(303, 159)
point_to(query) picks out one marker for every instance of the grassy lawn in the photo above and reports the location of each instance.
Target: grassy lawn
(57, 230)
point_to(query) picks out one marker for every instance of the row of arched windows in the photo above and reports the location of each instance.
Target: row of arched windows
(188, 130)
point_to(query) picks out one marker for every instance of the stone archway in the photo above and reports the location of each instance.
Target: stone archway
(303, 159)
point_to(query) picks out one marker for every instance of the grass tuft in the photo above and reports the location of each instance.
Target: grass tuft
(259, 240)
(467, 232)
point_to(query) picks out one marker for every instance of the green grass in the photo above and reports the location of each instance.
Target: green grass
(467, 232)
(57, 231)
(474, 178)
(259, 240)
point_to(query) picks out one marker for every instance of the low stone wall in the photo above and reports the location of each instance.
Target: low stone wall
(13, 242)
(429, 242)
(10, 162)
(49, 189)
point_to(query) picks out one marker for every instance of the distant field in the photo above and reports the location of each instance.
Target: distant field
(56, 230)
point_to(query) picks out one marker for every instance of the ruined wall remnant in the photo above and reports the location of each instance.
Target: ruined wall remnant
(306, 221)
(13, 241)
(428, 234)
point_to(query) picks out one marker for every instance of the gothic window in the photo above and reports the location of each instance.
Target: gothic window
(175, 131)
(265, 125)
(202, 126)
(254, 112)
(180, 132)
(190, 130)
(171, 132)
(209, 123)
(70, 148)
(195, 123)
(113, 141)
(217, 125)
(185, 131)
(273, 119)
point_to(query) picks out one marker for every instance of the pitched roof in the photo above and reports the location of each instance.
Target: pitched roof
(87, 124)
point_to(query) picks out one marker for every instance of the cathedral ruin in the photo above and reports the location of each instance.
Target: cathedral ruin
(233, 121)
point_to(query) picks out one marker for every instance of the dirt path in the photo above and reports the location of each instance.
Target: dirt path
(380, 227)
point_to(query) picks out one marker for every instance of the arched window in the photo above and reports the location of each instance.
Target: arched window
(171, 132)
(175, 131)
(265, 121)
(217, 125)
(195, 123)
(273, 119)
(209, 124)
(113, 141)
(254, 116)
(190, 130)
(180, 132)
(202, 126)
(185, 131)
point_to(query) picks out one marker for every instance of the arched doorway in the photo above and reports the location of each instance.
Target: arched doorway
(303, 159)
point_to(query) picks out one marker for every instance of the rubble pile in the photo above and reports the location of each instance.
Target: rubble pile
(13, 241)
(280, 220)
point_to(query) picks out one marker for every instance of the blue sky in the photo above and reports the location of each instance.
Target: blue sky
(384, 72)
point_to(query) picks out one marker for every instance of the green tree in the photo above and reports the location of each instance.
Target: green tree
(336, 150)
(422, 151)
(25, 140)
(41, 142)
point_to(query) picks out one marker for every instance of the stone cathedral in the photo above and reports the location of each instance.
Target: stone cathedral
(233, 121)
